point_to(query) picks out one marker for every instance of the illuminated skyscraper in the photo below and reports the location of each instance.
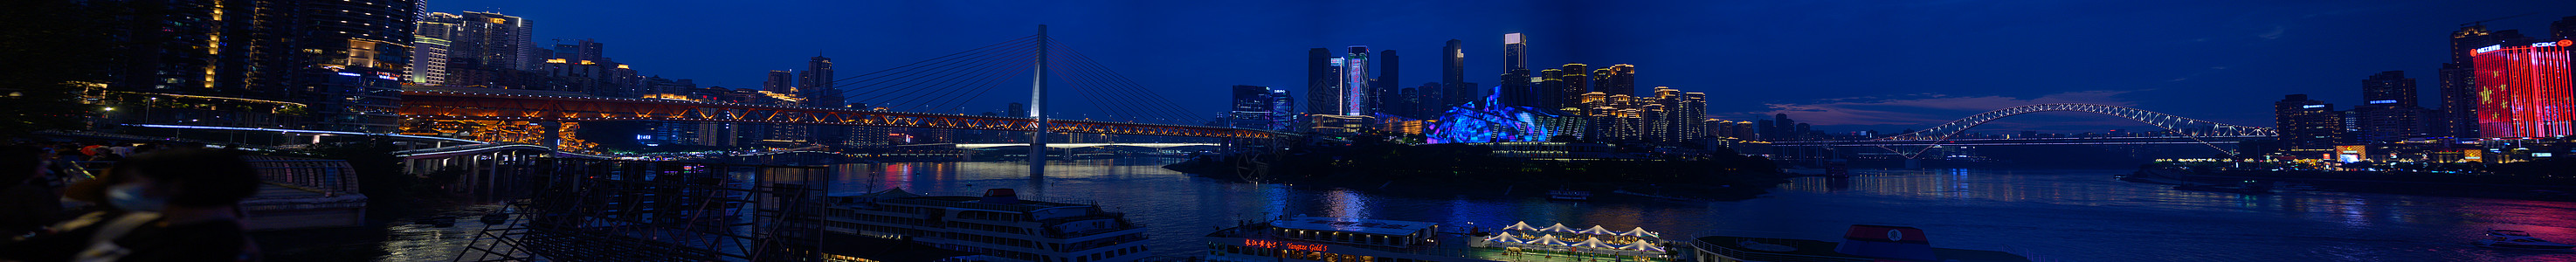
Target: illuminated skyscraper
(1453, 77)
(1355, 82)
(1516, 83)
(1515, 52)
(2458, 117)
(2388, 111)
(1547, 92)
(2524, 90)
(2307, 124)
(432, 40)
(1323, 82)
(815, 85)
(1572, 84)
(1620, 79)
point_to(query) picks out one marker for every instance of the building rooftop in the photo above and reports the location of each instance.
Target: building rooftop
(1354, 225)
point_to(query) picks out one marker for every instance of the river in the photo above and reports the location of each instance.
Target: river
(2067, 215)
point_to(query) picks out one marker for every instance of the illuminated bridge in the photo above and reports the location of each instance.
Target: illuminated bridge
(2178, 130)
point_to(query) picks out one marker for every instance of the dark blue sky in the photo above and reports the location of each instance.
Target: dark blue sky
(1848, 65)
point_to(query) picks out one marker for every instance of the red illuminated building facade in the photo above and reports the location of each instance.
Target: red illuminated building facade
(2524, 90)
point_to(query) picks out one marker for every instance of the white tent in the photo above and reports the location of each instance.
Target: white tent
(1549, 240)
(1597, 230)
(1559, 227)
(1524, 225)
(1506, 237)
(1639, 232)
(1591, 242)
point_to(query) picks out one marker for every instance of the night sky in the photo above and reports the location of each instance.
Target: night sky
(1885, 65)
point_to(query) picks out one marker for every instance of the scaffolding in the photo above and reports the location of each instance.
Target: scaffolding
(615, 210)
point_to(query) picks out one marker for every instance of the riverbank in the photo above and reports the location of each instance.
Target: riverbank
(2405, 183)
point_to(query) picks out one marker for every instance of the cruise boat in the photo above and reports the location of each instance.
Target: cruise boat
(998, 225)
(1860, 243)
(2516, 239)
(1335, 239)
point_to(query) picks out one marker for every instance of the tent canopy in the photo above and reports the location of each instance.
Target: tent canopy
(1559, 227)
(1524, 225)
(1597, 230)
(1639, 232)
(1591, 242)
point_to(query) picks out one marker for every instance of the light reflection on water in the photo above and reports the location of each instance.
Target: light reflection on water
(2077, 215)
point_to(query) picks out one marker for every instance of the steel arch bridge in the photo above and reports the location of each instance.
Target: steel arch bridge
(2177, 124)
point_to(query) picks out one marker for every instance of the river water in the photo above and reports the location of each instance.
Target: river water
(2068, 215)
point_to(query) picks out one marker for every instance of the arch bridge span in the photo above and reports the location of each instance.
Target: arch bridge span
(2177, 124)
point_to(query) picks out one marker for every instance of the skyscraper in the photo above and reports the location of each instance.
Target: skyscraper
(1548, 90)
(1385, 91)
(816, 85)
(2307, 124)
(1252, 108)
(493, 40)
(2388, 111)
(1323, 82)
(2458, 116)
(1574, 84)
(433, 39)
(1453, 76)
(780, 81)
(816, 82)
(1515, 52)
(2524, 90)
(1619, 79)
(1516, 81)
(1355, 82)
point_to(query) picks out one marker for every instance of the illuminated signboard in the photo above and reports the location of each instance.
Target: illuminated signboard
(2544, 44)
(2374, 102)
(2312, 106)
(1512, 38)
(1282, 245)
(2540, 154)
(2492, 48)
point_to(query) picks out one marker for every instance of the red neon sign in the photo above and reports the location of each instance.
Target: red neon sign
(1282, 245)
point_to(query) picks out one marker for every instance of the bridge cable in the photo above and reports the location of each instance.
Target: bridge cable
(904, 82)
(913, 72)
(845, 82)
(1104, 105)
(982, 67)
(1168, 107)
(1075, 76)
(911, 85)
(953, 101)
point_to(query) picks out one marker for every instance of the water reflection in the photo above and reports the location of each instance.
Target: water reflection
(2077, 215)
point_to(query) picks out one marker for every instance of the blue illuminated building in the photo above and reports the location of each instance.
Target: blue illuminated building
(1488, 121)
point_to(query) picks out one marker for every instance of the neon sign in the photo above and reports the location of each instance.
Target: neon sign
(2544, 44)
(1282, 245)
(2312, 106)
(2382, 101)
(2492, 48)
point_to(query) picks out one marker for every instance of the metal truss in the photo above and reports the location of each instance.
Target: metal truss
(2178, 125)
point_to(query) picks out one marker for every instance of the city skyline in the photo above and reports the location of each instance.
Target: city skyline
(2289, 49)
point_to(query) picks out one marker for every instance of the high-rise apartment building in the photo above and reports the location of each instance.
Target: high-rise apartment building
(2388, 111)
(1620, 79)
(2524, 90)
(1571, 83)
(2307, 124)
